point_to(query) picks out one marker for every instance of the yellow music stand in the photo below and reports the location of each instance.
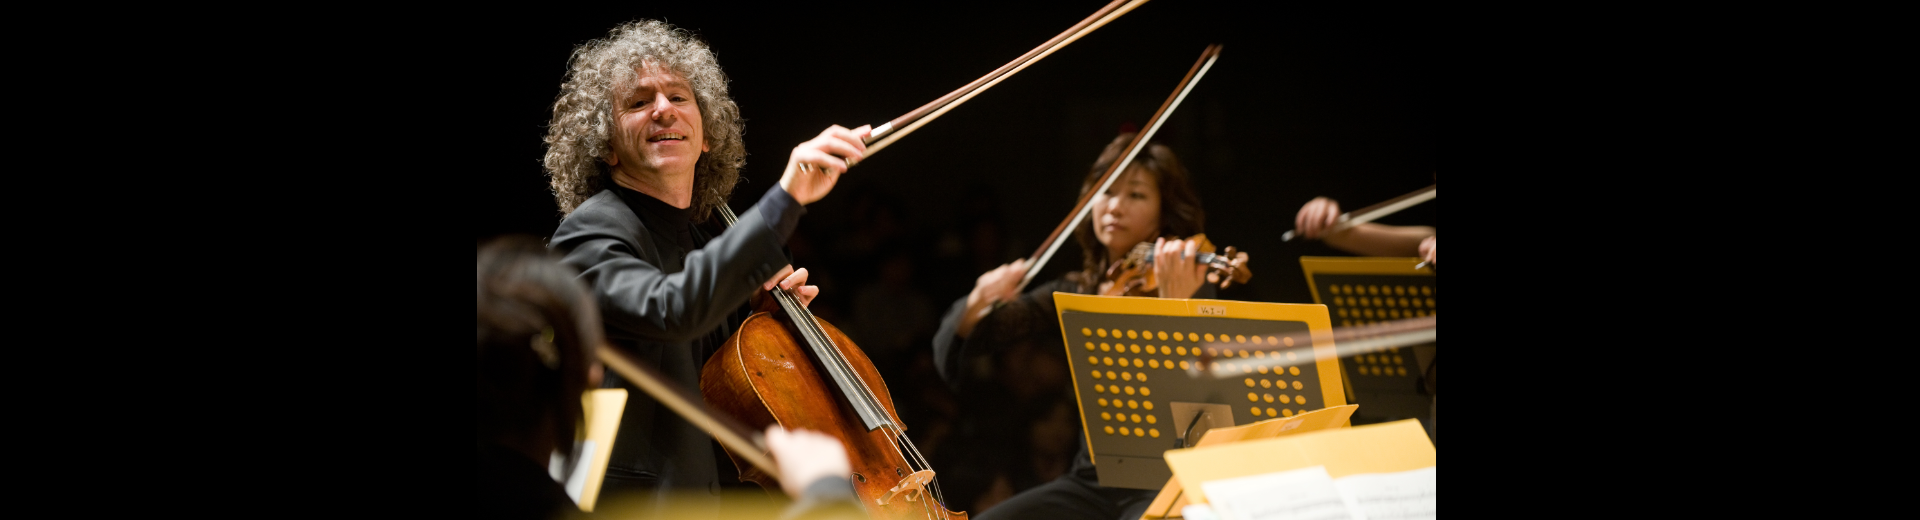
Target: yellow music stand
(1367, 290)
(1131, 356)
(601, 409)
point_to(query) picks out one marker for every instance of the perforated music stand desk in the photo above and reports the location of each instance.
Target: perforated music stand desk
(1130, 358)
(1365, 290)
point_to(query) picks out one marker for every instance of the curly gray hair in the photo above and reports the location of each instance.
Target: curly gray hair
(583, 115)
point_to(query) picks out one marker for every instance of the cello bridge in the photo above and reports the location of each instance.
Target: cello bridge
(911, 487)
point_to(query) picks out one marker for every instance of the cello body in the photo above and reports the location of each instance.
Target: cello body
(764, 375)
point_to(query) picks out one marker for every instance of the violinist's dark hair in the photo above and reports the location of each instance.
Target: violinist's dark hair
(1180, 212)
(537, 330)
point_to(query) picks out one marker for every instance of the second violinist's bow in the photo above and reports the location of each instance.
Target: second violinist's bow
(1369, 213)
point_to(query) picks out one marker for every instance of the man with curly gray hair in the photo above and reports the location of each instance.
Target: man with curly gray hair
(643, 146)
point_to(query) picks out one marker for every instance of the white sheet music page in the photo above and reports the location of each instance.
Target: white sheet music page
(574, 479)
(1301, 494)
(1407, 495)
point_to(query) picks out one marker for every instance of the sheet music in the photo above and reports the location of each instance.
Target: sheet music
(574, 478)
(1301, 494)
(1405, 495)
(1310, 494)
(1198, 512)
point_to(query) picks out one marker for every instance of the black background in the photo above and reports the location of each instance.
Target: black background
(1302, 103)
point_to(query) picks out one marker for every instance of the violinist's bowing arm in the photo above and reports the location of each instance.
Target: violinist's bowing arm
(993, 287)
(1318, 218)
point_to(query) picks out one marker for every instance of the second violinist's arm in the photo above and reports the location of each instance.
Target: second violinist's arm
(1369, 239)
(1372, 239)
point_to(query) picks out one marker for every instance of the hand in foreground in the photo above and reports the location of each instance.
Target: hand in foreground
(1429, 248)
(817, 164)
(805, 456)
(1316, 217)
(788, 278)
(1176, 267)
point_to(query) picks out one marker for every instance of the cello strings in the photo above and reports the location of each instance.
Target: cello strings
(815, 335)
(863, 391)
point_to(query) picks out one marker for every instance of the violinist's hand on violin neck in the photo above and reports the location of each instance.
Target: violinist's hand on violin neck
(1177, 268)
(816, 165)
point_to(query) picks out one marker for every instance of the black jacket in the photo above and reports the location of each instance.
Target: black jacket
(669, 293)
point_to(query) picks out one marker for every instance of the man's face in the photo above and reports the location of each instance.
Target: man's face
(657, 127)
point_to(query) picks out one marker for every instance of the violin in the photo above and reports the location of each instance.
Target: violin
(791, 368)
(1084, 207)
(1133, 275)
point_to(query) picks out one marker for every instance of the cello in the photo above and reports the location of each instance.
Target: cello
(798, 371)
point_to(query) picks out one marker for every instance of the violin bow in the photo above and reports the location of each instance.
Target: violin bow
(1348, 342)
(1369, 213)
(1140, 140)
(899, 127)
(747, 444)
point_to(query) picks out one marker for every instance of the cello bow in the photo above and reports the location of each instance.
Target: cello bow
(886, 133)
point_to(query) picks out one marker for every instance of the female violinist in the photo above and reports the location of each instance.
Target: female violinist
(1152, 202)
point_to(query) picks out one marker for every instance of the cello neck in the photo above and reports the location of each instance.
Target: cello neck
(872, 414)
